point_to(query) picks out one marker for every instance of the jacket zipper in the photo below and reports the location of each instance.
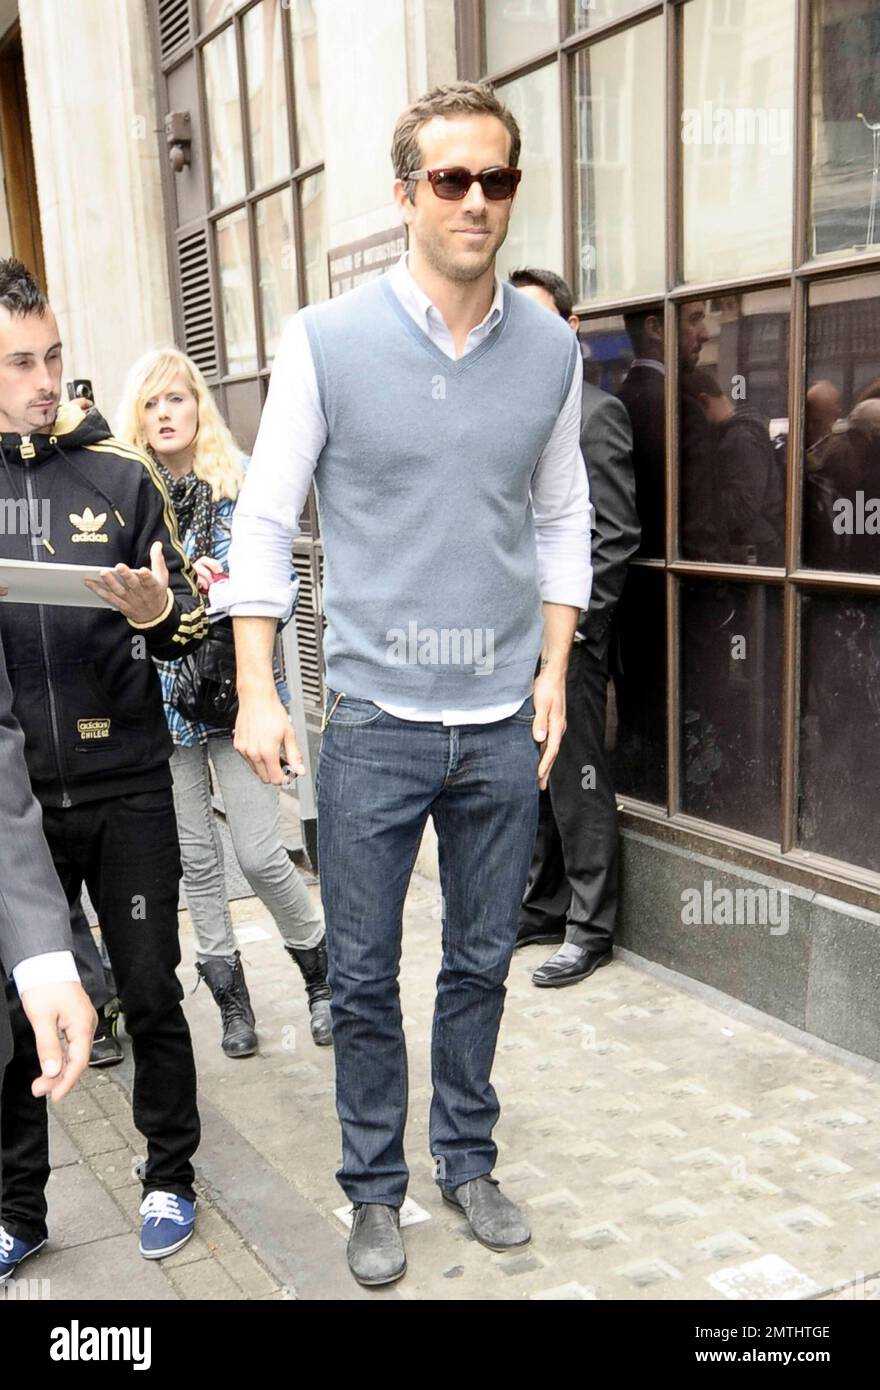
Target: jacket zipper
(53, 709)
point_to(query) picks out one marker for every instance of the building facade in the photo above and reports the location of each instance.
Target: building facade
(705, 173)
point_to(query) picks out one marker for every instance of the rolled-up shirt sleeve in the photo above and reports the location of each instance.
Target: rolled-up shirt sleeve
(561, 509)
(292, 433)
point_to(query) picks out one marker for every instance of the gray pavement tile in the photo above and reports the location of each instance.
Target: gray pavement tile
(80, 1211)
(110, 1268)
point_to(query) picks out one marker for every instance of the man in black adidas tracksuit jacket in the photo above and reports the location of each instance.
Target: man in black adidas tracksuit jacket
(96, 742)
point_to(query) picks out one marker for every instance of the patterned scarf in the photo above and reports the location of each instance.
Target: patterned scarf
(194, 507)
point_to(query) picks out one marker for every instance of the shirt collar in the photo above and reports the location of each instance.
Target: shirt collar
(420, 306)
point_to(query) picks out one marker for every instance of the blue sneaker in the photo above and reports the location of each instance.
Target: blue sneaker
(13, 1251)
(169, 1221)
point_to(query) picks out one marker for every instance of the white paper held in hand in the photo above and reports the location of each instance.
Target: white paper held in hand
(62, 586)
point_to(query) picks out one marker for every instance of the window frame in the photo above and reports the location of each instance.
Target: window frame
(823, 874)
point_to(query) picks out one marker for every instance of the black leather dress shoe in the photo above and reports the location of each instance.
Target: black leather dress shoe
(570, 964)
(528, 935)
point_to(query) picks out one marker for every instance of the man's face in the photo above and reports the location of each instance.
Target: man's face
(459, 240)
(692, 334)
(546, 301)
(30, 372)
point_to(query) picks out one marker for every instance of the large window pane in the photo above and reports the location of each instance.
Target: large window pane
(731, 697)
(637, 703)
(619, 96)
(213, 12)
(236, 292)
(307, 82)
(518, 29)
(842, 426)
(733, 375)
(535, 234)
(276, 252)
(642, 391)
(589, 14)
(846, 153)
(839, 801)
(606, 350)
(737, 136)
(314, 223)
(224, 118)
(267, 102)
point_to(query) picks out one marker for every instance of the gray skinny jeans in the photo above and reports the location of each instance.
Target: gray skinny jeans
(254, 820)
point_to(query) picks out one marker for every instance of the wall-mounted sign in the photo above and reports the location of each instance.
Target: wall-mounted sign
(365, 259)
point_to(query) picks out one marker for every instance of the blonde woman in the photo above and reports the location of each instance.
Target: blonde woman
(169, 412)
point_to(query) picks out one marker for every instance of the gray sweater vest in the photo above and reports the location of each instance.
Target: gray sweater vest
(430, 581)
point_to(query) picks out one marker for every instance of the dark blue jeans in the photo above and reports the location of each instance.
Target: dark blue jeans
(379, 778)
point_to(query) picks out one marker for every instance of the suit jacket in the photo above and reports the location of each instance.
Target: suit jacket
(642, 391)
(606, 444)
(34, 916)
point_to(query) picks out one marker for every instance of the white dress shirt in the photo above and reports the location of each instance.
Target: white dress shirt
(292, 433)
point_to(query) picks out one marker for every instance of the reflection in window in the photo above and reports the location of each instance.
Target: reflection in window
(518, 29)
(618, 116)
(637, 701)
(842, 426)
(306, 82)
(731, 698)
(276, 251)
(589, 14)
(236, 292)
(839, 792)
(314, 223)
(642, 391)
(607, 352)
(733, 375)
(535, 233)
(846, 126)
(737, 137)
(224, 118)
(267, 103)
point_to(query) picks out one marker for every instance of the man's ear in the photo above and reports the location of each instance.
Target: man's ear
(574, 322)
(403, 201)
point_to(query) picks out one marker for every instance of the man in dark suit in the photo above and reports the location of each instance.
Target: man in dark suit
(571, 894)
(36, 949)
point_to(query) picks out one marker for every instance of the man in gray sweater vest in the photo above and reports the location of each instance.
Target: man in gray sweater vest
(438, 413)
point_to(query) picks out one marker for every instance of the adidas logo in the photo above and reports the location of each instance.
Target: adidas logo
(89, 526)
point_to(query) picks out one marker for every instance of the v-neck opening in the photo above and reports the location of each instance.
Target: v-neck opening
(450, 364)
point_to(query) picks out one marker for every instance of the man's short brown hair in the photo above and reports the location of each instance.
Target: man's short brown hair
(452, 99)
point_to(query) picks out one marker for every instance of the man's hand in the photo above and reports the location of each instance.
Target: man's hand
(262, 729)
(140, 595)
(549, 725)
(66, 1009)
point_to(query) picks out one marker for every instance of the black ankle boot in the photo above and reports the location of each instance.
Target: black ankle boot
(225, 979)
(312, 961)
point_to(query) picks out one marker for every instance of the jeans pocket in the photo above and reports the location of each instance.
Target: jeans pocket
(344, 709)
(526, 712)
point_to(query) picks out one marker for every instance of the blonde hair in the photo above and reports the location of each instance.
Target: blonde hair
(217, 459)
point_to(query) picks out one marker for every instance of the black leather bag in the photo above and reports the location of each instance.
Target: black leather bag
(205, 690)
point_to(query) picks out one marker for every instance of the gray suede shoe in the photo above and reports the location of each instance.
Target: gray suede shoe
(495, 1221)
(375, 1246)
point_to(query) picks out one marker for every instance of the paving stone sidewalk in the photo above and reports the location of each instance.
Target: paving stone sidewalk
(666, 1143)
